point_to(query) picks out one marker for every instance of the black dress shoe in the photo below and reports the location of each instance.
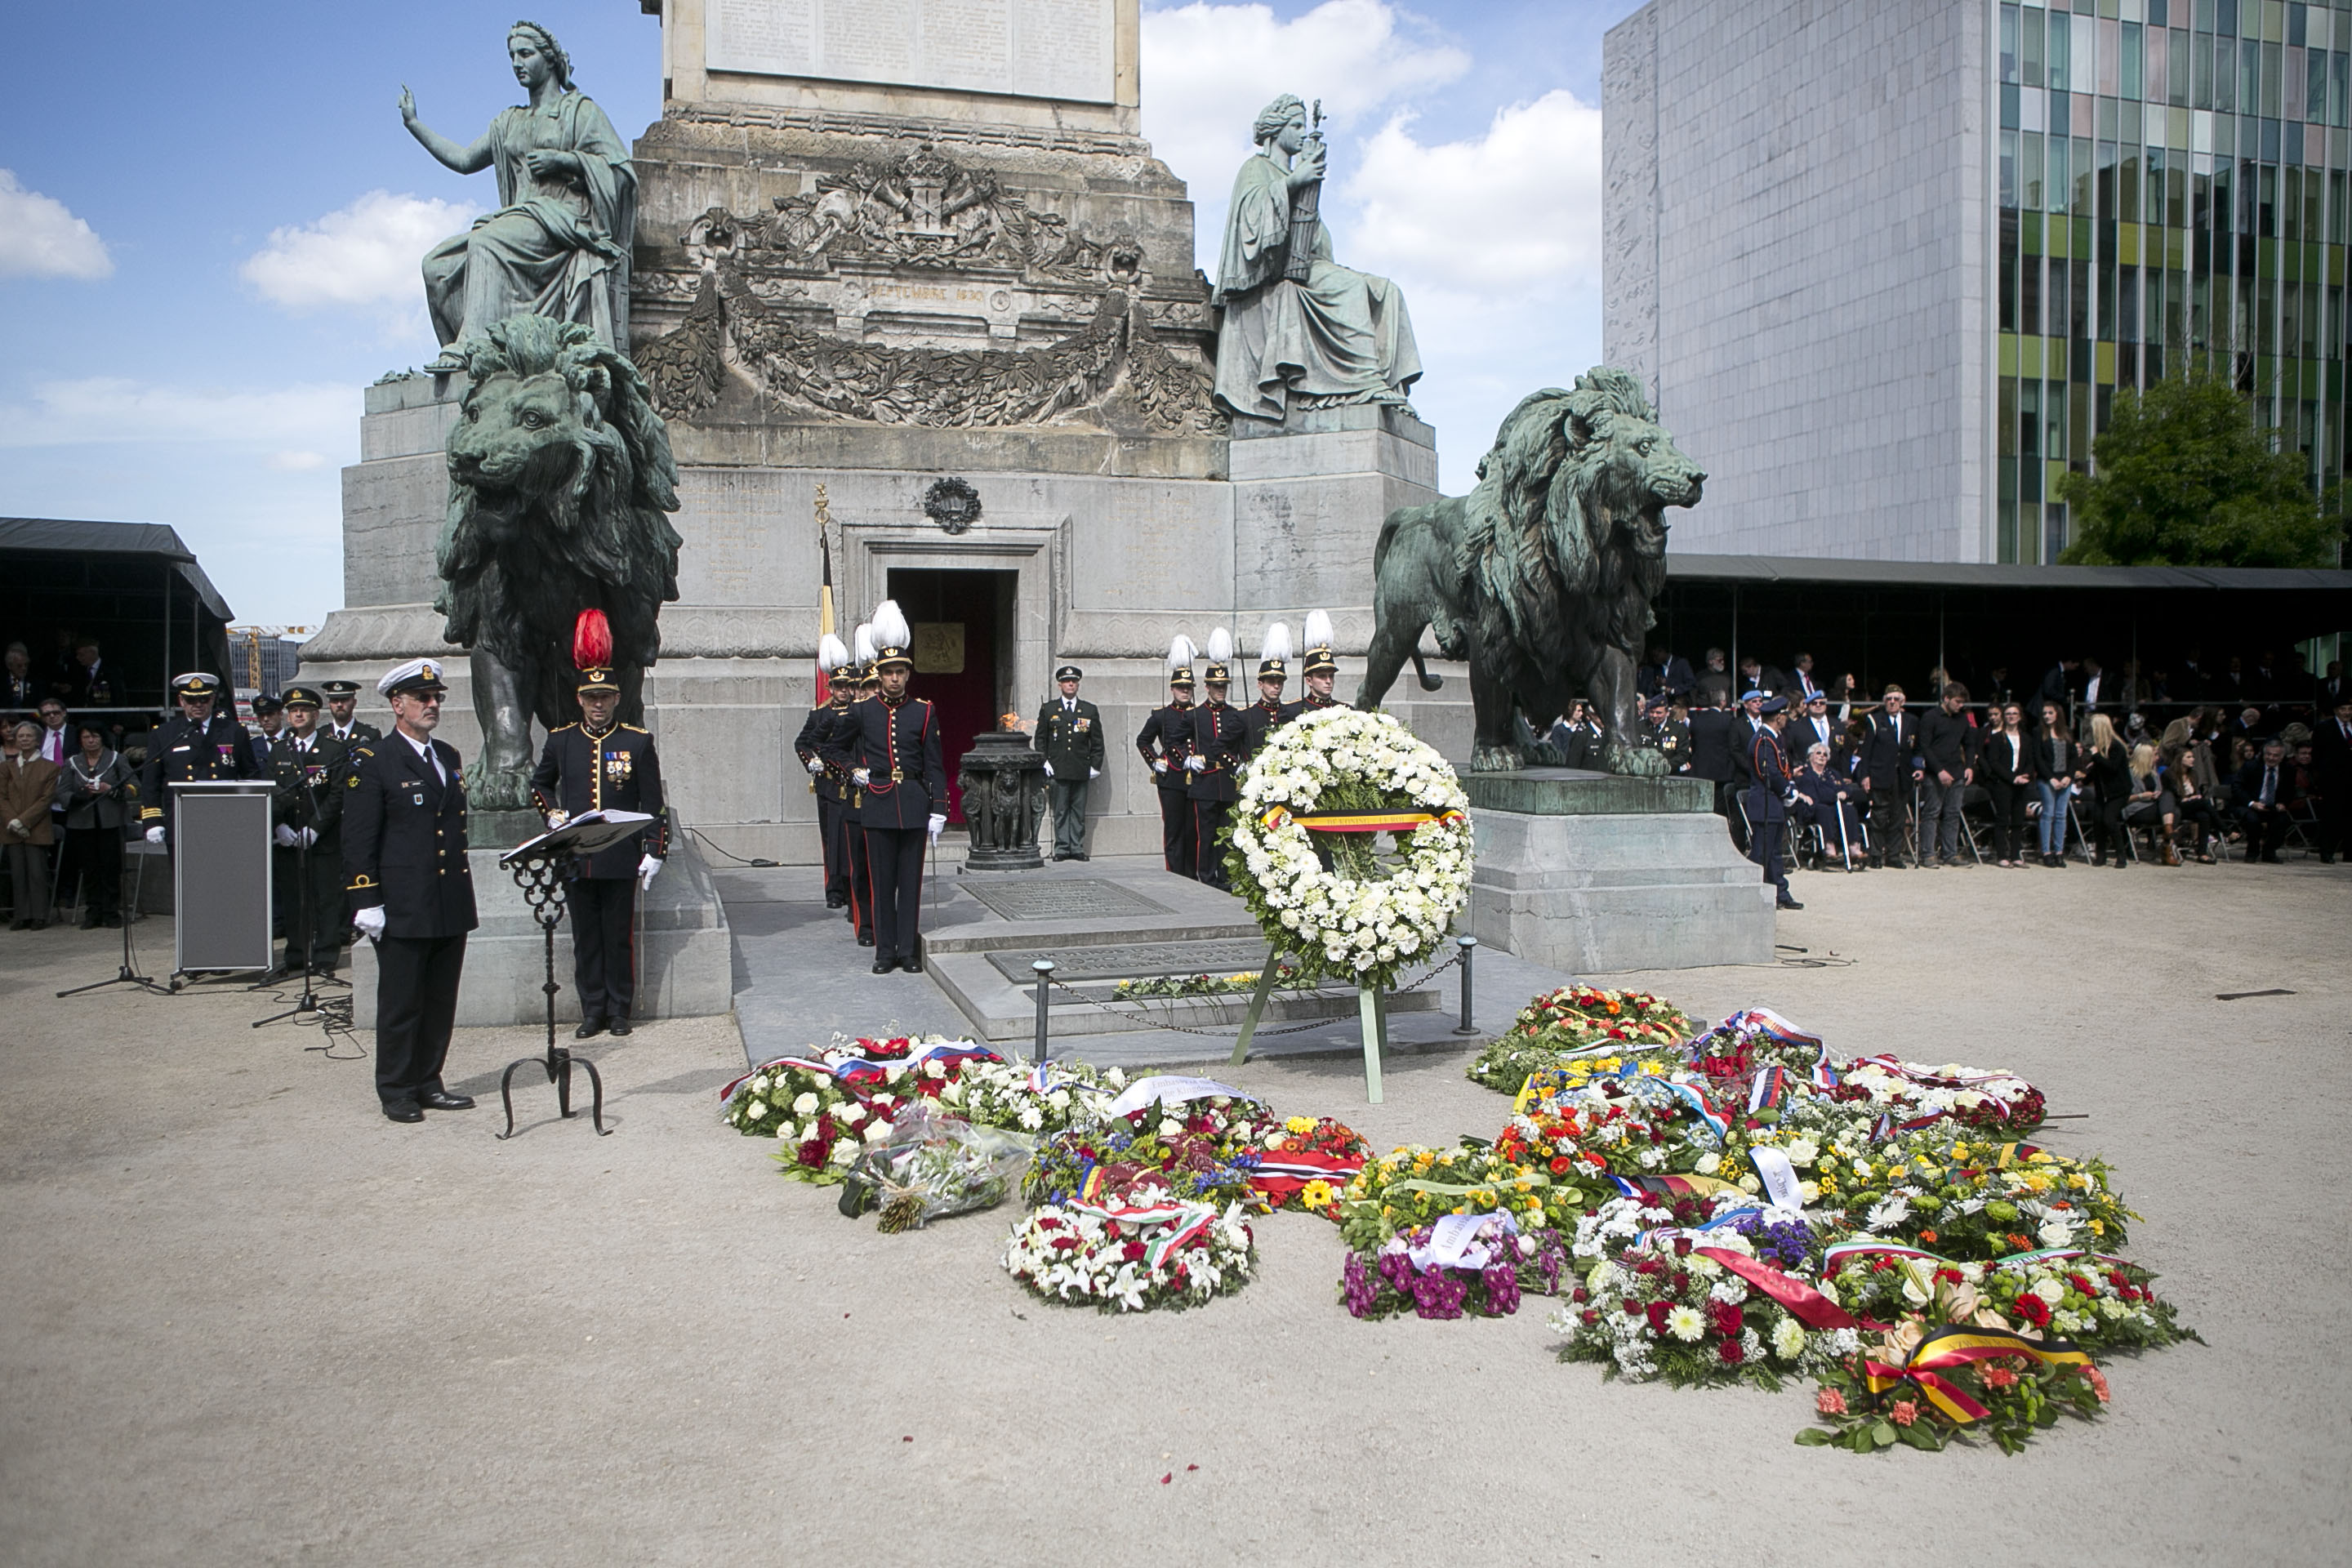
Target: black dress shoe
(620, 1026)
(912, 964)
(1788, 904)
(1081, 854)
(836, 901)
(589, 1029)
(404, 1110)
(865, 939)
(884, 965)
(442, 1100)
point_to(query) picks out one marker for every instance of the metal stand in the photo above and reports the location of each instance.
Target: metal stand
(308, 1007)
(1468, 947)
(129, 973)
(1372, 1012)
(542, 880)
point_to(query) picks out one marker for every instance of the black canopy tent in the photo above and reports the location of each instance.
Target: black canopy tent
(133, 586)
(1884, 621)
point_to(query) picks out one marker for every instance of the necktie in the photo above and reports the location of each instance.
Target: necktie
(2270, 783)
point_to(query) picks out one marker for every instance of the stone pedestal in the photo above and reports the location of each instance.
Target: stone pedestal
(1596, 873)
(685, 953)
(1003, 784)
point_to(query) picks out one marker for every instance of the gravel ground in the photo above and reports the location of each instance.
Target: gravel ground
(248, 1321)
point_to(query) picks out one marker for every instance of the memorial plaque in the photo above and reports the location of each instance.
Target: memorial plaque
(1058, 899)
(1028, 49)
(1121, 960)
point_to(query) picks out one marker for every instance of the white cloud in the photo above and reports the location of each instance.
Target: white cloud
(362, 257)
(304, 419)
(40, 238)
(298, 462)
(1516, 211)
(1208, 69)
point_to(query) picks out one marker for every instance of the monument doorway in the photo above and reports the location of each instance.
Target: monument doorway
(963, 623)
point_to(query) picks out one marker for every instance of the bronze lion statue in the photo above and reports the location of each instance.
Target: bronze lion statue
(1542, 575)
(560, 481)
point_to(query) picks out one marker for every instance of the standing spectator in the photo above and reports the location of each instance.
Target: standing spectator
(19, 690)
(1805, 685)
(1890, 768)
(1947, 748)
(2007, 758)
(2058, 686)
(60, 673)
(2334, 689)
(1828, 801)
(2099, 693)
(1814, 727)
(93, 686)
(1768, 807)
(1665, 729)
(1666, 675)
(2331, 752)
(96, 780)
(1997, 684)
(28, 784)
(2265, 789)
(1714, 686)
(1710, 747)
(2105, 770)
(2055, 758)
(1759, 676)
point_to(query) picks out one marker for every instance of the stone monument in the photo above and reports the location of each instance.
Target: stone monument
(919, 254)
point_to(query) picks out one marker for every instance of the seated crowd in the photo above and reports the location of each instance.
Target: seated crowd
(2089, 762)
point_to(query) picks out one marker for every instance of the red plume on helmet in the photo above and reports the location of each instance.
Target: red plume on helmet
(591, 641)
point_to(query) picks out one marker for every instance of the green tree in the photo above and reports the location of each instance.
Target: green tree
(2183, 477)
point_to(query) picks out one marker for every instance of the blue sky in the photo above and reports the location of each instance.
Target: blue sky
(211, 214)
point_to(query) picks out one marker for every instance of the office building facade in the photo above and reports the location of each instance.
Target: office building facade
(1888, 268)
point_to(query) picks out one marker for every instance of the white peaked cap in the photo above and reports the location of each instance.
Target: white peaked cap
(1276, 644)
(1221, 646)
(863, 643)
(1180, 652)
(1318, 629)
(830, 653)
(890, 626)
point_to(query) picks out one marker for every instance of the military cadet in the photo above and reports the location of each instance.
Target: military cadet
(868, 687)
(1670, 736)
(1262, 717)
(891, 745)
(1211, 753)
(1319, 667)
(833, 663)
(1768, 807)
(1069, 732)
(601, 765)
(411, 891)
(1162, 740)
(194, 745)
(268, 721)
(342, 701)
(309, 766)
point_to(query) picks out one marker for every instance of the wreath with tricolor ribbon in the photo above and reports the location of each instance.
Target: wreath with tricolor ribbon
(1352, 845)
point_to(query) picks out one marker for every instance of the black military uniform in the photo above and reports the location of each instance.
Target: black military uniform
(1768, 809)
(1263, 717)
(860, 911)
(183, 752)
(405, 853)
(264, 743)
(309, 800)
(830, 788)
(895, 745)
(1318, 660)
(1212, 753)
(1162, 740)
(359, 732)
(615, 769)
(1069, 732)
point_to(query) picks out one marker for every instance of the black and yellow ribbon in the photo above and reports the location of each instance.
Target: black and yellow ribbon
(1953, 1347)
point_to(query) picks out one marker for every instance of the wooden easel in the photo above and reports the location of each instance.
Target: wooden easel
(1372, 1012)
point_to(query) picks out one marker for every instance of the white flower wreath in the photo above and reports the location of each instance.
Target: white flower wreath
(1357, 919)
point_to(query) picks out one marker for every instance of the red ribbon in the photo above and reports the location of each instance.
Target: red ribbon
(1807, 1305)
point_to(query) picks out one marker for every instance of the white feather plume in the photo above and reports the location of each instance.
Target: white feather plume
(890, 626)
(863, 643)
(1276, 644)
(830, 653)
(1180, 651)
(1318, 629)
(1221, 646)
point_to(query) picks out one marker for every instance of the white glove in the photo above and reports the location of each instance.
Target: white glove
(939, 826)
(1196, 764)
(816, 764)
(1049, 770)
(863, 776)
(156, 835)
(648, 867)
(556, 819)
(1094, 773)
(370, 922)
(14, 826)
(309, 835)
(1159, 765)
(286, 837)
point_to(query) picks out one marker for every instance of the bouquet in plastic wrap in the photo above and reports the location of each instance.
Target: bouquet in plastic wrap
(933, 1165)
